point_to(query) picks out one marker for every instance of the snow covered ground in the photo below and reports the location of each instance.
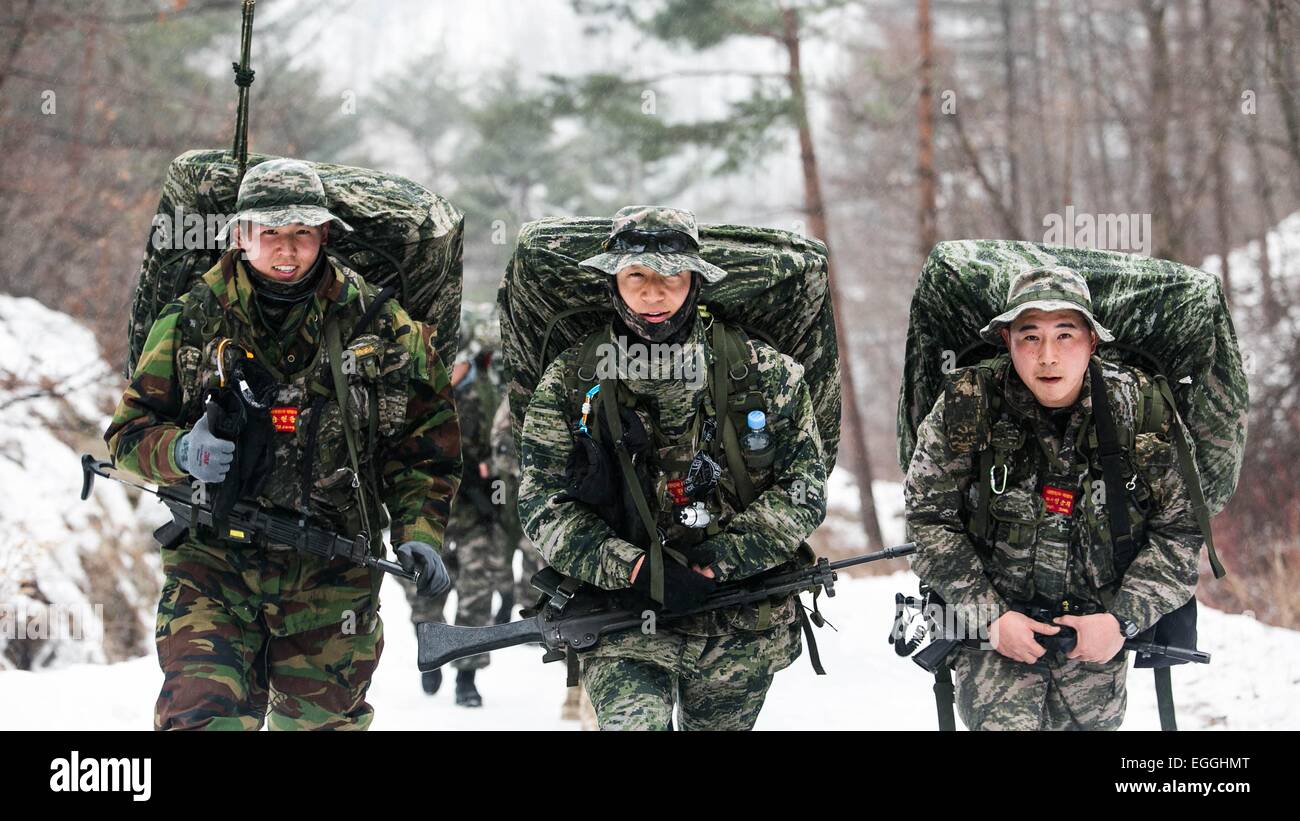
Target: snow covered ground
(1250, 685)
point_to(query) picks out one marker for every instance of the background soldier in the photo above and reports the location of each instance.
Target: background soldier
(1007, 505)
(238, 622)
(506, 469)
(715, 668)
(478, 559)
(505, 466)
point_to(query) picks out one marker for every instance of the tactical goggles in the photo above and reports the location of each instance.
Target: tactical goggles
(641, 242)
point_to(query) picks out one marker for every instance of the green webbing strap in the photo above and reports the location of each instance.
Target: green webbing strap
(984, 464)
(730, 439)
(944, 695)
(1165, 699)
(809, 639)
(335, 346)
(1191, 477)
(540, 365)
(608, 389)
(984, 459)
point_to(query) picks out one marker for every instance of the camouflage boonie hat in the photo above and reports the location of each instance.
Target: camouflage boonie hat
(282, 192)
(1045, 289)
(655, 219)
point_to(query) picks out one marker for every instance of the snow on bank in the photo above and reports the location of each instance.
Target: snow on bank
(1250, 685)
(61, 558)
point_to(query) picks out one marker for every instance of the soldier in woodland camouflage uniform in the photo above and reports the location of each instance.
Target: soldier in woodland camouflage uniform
(244, 627)
(1046, 540)
(477, 558)
(715, 668)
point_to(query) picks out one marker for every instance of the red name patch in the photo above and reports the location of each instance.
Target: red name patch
(285, 419)
(1058, 500)
(677, 490)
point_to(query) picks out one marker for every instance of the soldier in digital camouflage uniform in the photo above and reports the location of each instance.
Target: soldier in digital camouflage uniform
(475, 536)
(518, 590)
(505, 462)
(1048, 527)
(246, 627)
(715, 668)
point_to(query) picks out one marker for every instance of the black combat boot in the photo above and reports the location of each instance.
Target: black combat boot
(466, 693)
(431, 681)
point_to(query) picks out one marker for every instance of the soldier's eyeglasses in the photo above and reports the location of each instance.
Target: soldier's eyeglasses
(640, 242)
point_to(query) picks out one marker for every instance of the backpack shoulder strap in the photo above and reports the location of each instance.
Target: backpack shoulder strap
(1111, 457)
(581, 375)
(735, 394)
(971, 402)
(1191, 476)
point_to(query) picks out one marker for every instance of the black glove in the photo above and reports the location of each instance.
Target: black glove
(683, 587)
(701, 554)
(434, 580)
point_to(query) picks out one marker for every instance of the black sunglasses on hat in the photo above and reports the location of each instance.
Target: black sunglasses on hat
(641, 242)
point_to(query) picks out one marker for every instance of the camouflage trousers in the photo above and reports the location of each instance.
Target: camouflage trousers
(222, 672)
(478, 566)
(996, 693)
(714, 682)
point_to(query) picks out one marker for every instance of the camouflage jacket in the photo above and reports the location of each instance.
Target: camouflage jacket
(401, 403)
(791, 489)
(476, 401)
(1048, 531)
(505, 462)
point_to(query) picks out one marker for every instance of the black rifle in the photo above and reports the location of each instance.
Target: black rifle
(934, 656)
(247, 521)
(575, 616)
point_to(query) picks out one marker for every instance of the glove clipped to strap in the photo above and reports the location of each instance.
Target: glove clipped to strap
(434, 579)
(202, 454)
(684, 589)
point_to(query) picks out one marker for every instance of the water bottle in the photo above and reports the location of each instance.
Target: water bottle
(757, 439)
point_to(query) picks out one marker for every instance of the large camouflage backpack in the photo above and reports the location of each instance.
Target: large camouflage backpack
(776, 290)
(1168, 319)
(406, 236)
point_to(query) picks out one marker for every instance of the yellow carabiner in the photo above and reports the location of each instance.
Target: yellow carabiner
(221, 359)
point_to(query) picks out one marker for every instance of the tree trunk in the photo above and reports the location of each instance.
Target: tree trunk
(928, 215)
(1282, 71)
(1161, 196)
(1104, 202)
(1261, 173)
(1218, 107)
(1013, 110)
(853, 433)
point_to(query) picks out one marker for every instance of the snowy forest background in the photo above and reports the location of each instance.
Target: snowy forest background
(881, 125)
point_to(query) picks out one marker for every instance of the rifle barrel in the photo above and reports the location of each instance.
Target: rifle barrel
(889, 553)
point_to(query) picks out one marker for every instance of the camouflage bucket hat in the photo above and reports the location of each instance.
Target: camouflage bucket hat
(665, 240)
(1045, 289)
(282, 192)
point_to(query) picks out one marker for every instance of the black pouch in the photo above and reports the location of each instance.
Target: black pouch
(589, 473)
(240, 412)
(1176, 629)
